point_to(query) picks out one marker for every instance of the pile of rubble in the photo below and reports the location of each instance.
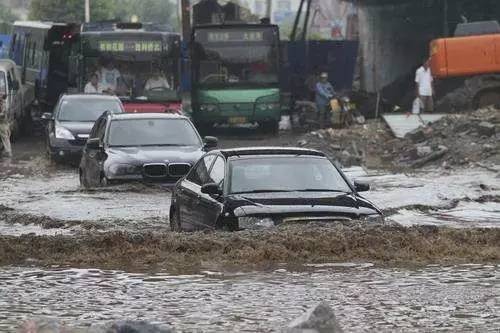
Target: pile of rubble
(455, 140)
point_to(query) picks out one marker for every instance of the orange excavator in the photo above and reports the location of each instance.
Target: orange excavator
(472, 55)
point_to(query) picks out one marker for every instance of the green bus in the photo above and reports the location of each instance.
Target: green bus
(235, 75)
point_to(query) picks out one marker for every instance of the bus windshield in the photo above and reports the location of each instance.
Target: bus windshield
(236, 57)
(132, 69)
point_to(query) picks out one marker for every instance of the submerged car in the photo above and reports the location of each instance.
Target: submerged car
(244, 188)
(68, 127)
(146, 147)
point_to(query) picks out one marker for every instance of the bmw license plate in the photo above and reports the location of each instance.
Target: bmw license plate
(237, 120)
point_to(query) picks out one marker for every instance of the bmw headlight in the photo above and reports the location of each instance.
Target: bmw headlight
(255, 222)
(124, 169)
(63, 133)
(267, 106)
(208, 107)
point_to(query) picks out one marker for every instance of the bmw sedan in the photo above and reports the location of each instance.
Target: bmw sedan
(68, 127)
(244, 188)
(141, 147)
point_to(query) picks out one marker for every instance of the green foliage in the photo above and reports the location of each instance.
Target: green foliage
(6, 14)
(69, 10)
(157, 11)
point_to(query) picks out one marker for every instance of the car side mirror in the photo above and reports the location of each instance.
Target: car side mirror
(211, 189)
(46, 116)
(211, 142)
(361, 187)
(15, 85)
(94, 143)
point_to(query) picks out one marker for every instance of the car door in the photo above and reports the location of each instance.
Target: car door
(189, 192)
(211, 206)
(92, 158)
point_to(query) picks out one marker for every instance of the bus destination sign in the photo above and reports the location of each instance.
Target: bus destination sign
(130, 46)
(235, 36)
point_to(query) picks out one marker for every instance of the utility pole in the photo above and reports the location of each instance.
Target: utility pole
(87, 11)
(186, 20)
(269, 9)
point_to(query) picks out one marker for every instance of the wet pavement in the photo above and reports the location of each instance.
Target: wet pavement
(41, 199)
(364, 297)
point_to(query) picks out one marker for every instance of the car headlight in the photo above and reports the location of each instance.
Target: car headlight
(124, 169)
(267, 106)
(63, 133)
(208, 107)
(255, 222)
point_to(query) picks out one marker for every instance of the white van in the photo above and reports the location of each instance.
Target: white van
(12, 93)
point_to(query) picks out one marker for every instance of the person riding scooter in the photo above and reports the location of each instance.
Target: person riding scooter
(324, 94)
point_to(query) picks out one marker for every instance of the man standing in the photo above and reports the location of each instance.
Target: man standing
(425, 91)
(109, 76)
(5, 128)
(324, 93)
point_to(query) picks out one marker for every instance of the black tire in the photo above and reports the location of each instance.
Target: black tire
(175, 221)
(103, 181)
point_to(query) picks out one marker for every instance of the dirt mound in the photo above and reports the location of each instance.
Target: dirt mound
(454, 140)
(291, 244)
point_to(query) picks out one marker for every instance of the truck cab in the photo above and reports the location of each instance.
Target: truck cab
(12, 93)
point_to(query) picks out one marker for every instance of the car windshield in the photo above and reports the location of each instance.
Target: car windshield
(86, 109)
(284, 174)
(152, 132)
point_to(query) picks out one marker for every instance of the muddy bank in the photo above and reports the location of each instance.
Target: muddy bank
(291, 244)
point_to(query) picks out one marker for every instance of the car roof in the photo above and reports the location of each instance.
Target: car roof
(131, 116)
(89, 96)
(259, 151)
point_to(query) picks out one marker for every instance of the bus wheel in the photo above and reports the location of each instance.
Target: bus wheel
(487, 98)
(271, 126)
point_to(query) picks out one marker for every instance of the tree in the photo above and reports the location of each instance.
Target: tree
(6, 15)
(69, 10)
(156, 11)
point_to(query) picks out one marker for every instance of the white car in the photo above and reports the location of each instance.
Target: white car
(12, 92)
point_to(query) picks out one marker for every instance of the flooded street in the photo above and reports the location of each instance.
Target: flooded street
(365, 298)
(91, 257)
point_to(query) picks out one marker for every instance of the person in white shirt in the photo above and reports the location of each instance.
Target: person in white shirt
(425, 90)
(93, 86)
(157, 80)
(109, 75)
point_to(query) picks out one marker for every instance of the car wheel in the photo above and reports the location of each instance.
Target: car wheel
(175, 221)
(83, 181)
(103, 181)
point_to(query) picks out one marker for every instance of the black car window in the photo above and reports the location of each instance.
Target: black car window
(217, 172)
(285, 173)
(101, 130)
(95, 129)
(199, 175)
(86, 109)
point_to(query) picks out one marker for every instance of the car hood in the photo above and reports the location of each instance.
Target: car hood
(298, 203)
(78, 127)
(156, 154)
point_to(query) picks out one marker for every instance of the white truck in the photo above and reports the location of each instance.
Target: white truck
(12, 93)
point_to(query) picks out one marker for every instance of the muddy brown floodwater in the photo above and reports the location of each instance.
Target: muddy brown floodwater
(88, 257)
(365, 298)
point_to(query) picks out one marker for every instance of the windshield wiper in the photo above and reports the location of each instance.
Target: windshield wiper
(162, 145)
(320, 190)
(261, 191)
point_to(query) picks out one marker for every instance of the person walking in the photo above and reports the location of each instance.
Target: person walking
(424, 87)
(5, 129)
(324, 93)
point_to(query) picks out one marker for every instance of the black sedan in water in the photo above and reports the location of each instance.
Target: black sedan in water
(244, 188)
(68, 127)
(151, 147)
